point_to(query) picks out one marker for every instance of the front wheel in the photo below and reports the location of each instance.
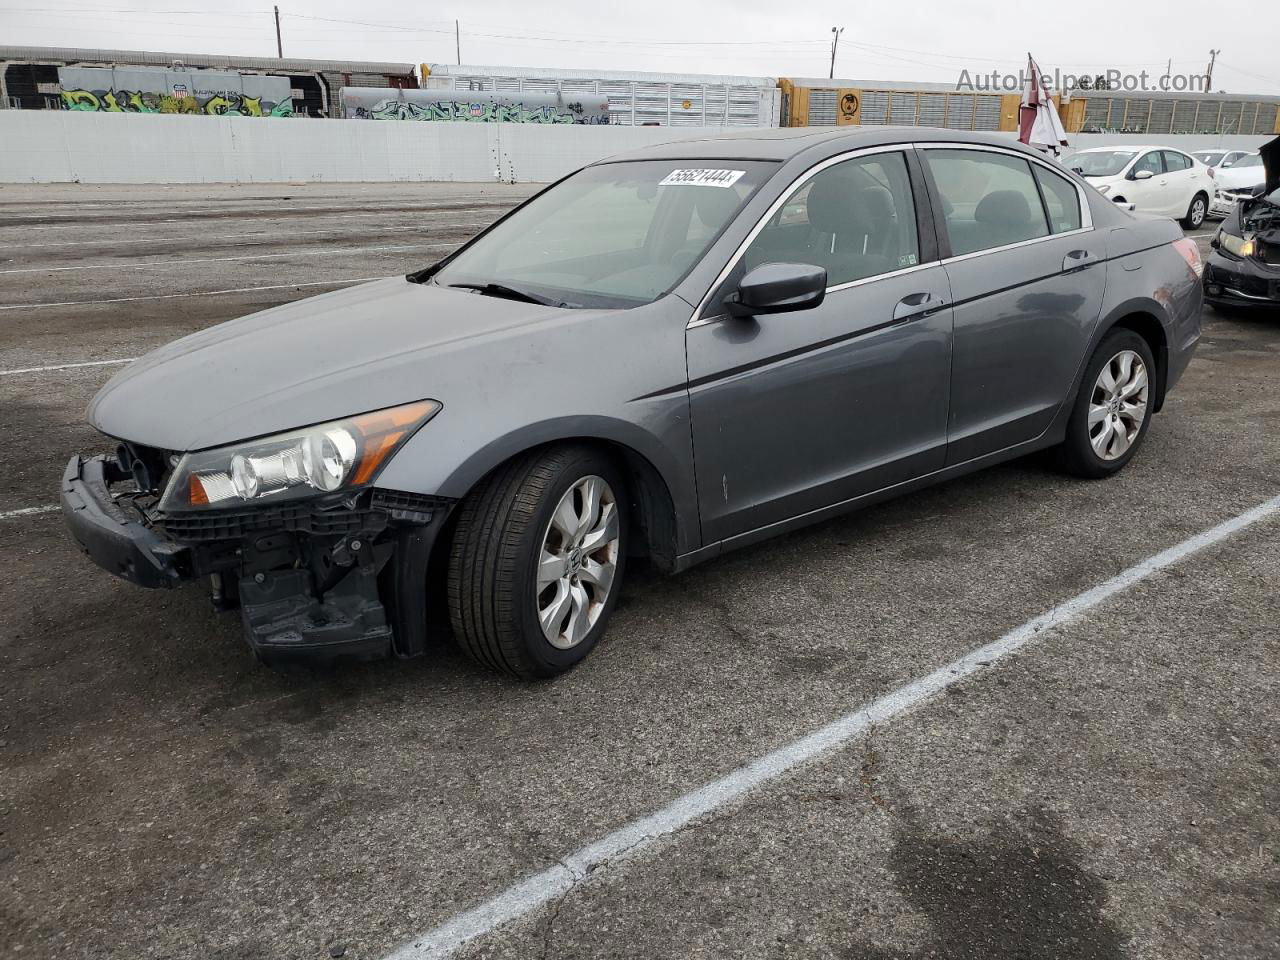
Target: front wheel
(536, 561)
(1113, 408)
(1196, 213)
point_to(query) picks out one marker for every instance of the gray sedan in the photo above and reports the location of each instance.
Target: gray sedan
(669, 354)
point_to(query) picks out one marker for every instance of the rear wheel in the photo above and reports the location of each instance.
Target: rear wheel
(1196, 213)
(536, 561)
(1113, 408)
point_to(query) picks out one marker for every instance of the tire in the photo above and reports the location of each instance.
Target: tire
(504, 527)
(1197, 212)
(1086, 452)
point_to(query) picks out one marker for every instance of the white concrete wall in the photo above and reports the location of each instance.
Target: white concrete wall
(56, 146)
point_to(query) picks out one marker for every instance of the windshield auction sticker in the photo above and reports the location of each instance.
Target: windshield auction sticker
(702, 178)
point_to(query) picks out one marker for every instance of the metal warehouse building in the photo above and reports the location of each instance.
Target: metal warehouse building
(635, 98)
(29, 75)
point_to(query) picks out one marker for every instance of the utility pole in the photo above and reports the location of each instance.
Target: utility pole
(835, 41)
(1208, 75)
(279, 46)
(457, 40)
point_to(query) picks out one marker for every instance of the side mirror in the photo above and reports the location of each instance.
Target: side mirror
(1143, 175)
(778, 288)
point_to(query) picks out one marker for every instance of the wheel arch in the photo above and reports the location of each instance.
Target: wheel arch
(663, 520)
(1143, 319)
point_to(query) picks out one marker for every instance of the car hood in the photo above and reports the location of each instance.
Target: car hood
(323, 358)
(1271, 164)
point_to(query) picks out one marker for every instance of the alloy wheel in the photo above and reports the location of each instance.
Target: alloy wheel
(577, 563)
(1197, 212)
(1118, 406)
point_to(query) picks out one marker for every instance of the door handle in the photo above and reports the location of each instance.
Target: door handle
(1078, 260)
(916, 305)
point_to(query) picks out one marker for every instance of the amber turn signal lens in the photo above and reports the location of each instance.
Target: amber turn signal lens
(382, 432)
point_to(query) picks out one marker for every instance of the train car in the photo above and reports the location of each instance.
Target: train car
(635, 98)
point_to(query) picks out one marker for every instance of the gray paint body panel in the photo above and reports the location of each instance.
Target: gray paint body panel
(796, 430)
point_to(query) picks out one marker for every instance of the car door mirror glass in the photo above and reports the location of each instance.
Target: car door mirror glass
(778, 288)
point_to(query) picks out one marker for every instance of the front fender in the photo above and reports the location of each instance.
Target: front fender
(663, 442)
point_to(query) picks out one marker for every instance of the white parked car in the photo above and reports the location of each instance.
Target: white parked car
(1219, 159)
(1237, 182)
(1153, 179)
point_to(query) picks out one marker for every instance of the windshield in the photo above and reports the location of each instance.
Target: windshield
(1104, 163)
(612, 235)
(1210, 158)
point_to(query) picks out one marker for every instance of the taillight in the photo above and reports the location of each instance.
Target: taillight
(1190, 253)
(1212, 175)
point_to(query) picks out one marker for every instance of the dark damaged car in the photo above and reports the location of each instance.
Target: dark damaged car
(669, 354)
(1243, 269)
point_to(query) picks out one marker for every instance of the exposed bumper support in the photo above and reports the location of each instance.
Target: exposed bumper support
(320, 583)
(116, 541)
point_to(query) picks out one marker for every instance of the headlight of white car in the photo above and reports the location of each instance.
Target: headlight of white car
(326, 458)
(1104, 189)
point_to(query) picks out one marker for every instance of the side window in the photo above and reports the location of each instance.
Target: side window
(1061, 198)
(856, 219)
(988, 199)
(1174, 161)
(1149, 161)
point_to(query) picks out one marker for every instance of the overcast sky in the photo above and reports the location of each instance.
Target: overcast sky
(928, 40)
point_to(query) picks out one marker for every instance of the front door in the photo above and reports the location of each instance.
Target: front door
(1022, 271)
(1151, 194)
(797, 411)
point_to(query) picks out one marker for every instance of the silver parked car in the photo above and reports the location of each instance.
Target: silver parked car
(669, 353)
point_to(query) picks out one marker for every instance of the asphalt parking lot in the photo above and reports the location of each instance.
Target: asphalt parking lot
(1110, 790)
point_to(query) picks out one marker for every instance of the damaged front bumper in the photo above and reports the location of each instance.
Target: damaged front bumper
(1241, 283)
(322, 579)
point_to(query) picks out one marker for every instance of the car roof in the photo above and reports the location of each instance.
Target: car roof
(783, 143)
(1131, 146)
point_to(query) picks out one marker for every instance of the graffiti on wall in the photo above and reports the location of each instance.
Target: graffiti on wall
(157, 90)
(474, 112)
(143, 101)
(371, 103)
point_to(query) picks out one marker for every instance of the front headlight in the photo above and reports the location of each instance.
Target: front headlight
(325, 458)
(1237, 246)
(1104, 189)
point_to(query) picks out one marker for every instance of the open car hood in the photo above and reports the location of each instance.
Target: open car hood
(1271, 164)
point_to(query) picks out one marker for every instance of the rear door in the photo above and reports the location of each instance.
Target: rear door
(797, 411)
(1183, 181)
(1026, 275)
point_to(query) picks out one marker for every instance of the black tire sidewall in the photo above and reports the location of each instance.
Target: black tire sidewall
(1190, 221)
(543, 658)
(1079, 449)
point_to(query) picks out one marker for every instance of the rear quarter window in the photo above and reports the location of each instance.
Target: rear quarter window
(1061, 199)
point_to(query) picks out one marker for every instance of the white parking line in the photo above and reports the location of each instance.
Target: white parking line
(28, 511)
(65, 366)
(198, 293)
(593, 860)
(75, 219)
(112, 241)
(309, 254)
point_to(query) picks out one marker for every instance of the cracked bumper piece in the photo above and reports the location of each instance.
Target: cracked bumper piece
(113, 536)
(283, 618)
